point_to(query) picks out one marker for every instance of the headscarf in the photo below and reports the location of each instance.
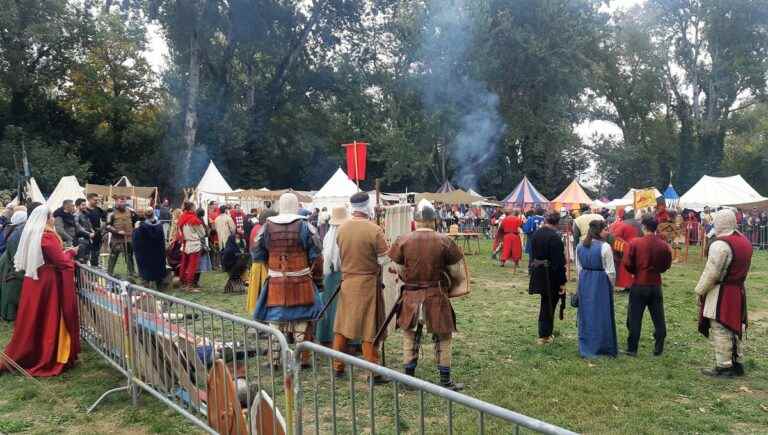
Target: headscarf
(29, 255)
(19, 217)
(724, 223)
(331, 253)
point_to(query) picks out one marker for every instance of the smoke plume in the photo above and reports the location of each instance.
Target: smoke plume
(466, 105)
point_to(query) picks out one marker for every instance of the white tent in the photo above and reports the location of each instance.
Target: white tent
(33, 192)
(473, 193)
(720, 191)
(123, 181)
(628, 200)
(335, 192)
(211, 186)
(68, 188)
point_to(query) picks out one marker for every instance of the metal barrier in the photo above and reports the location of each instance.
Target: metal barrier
(220, 371)
(757, 234)
(327, 418)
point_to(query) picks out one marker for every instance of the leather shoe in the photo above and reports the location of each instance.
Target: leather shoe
(629, 353)
(738, 369)
(719, 372)
(659, 349)
(454, 386)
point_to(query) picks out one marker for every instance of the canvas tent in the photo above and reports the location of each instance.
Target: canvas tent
(68, 188)
(628, 199)
(123, 181)
(456, 197)
(474, 193)
(212, 186)
(720, 191)
(446, 187)
(258, 199)
(139, 197)
(670, 196)
(525, 196)
(335, 192)
(572, 197)
(33, 193)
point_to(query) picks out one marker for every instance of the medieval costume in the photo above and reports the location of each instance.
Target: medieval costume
(360, 312)
(647, 258)
(530, 226)
(234, 261)
(10, 279)
(225, 227)
(212, 214)
(149, 249)
(623, 232)
(597, 273)
(46, 338)
(192, 235)
(581, 225)
(548, 274)
(331, 274)
(512, 245)
(289, 299)
(258, 273)
(723, 299)
(423, 256)
(120, 225)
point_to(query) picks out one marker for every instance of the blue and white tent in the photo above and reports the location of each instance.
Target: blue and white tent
(525, 196)
(671, 197)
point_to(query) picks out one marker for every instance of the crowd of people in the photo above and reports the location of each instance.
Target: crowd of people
(284, 257)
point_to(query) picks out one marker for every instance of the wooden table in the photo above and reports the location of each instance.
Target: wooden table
(469, 242)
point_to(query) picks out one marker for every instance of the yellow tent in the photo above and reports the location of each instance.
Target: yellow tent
(572, 197)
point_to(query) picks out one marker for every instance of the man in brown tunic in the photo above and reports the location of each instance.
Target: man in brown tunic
(362, 249)
(422, 258)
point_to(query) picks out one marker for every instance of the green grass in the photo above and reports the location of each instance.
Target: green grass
(494, 354)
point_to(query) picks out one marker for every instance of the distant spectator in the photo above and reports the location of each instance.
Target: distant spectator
(64, 222)
(149, 249)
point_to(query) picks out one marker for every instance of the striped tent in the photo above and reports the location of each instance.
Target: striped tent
(446, 187)
(671, 197)
(572, 197)
(525, 196)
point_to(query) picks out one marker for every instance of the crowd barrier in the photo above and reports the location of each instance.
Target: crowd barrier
(757, 234)
(226, 374)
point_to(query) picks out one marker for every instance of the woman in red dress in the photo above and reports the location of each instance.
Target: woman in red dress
(46, 336)
(513, 245)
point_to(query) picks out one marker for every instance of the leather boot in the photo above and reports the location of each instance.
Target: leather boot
(719, 372)
(738, 369)
(659, 349)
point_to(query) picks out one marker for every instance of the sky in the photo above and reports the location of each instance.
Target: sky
(157, 54)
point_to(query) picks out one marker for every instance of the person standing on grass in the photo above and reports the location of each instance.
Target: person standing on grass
(624, 229)
(192, 234)
(97, 217)
(422, 257)
(120, 225)
(149, 250)
(597, 274)
(722, 295)
(548, 273)
(647, 258)
(512, 245)
(533, 223)
(225, 226)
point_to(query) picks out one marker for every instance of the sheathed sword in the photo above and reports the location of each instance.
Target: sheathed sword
(328, 304)
(381, 333)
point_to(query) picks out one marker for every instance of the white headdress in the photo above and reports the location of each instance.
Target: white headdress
(29, 255)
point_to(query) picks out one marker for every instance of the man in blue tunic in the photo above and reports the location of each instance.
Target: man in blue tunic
(289, 299)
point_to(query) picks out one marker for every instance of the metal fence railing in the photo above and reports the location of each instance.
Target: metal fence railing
(334, 405)
(757, 234)
(212, 367)
(230, 375)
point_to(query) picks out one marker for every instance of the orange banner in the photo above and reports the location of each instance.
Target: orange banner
(645, 198)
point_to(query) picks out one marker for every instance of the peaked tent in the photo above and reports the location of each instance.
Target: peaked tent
(446, 187)
(525, 196)
(474, 193)
(68, 188)
(212, 186)
(671, 197)
(572, 197)
(33, 193)
(720, 191)
(123, 181)
(335, 192)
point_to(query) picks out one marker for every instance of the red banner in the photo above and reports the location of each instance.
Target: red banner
(356, 155)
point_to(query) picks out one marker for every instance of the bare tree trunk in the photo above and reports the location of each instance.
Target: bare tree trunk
(190, 115)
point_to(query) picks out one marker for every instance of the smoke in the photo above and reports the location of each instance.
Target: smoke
(465, 104)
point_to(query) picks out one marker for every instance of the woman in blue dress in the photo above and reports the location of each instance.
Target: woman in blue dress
(597, 274)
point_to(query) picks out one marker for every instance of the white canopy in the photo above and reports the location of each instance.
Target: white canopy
(211, 186)
(720, 191)
(68, 188)
(33, 191)
(628, 200)
(123, 181)
(473, 193)
(335, 192)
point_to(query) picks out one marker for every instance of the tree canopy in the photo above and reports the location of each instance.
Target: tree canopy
(480, 92)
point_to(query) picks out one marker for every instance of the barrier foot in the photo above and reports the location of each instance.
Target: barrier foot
(104, 396)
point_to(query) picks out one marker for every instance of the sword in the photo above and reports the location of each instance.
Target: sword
(562, 306)
(328, 304)
(383, 328)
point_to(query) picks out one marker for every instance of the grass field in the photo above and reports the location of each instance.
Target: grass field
(496, 356)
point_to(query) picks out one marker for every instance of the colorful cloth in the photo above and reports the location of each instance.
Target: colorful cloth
(512, 244)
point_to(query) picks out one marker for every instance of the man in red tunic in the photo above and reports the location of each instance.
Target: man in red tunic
(623, 231)
(722, 296)
(512, 244)
(46, 335)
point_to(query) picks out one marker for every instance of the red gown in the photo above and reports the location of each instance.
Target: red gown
(47, 304)
(627, 232)
(513, 246)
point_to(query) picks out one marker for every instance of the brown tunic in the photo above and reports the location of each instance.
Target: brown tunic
(361, 307)
(425, 256)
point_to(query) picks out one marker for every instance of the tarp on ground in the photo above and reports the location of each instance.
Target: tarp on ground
(628, 200)
(572, 197)
(67, 188)
(525, 196)
(212, 186)
(720, 191)
(446, 187)
(335, 192)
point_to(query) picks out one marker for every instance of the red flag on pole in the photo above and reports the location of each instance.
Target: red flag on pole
(356, 155)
